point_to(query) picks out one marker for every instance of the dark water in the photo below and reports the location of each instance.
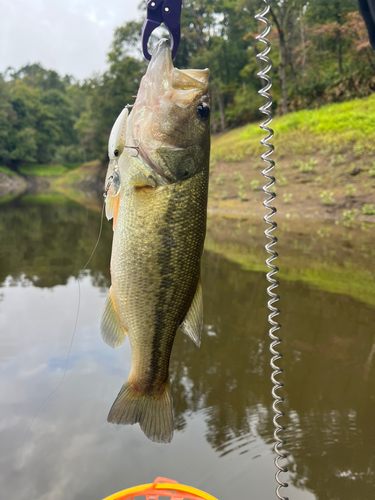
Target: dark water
(221, 393)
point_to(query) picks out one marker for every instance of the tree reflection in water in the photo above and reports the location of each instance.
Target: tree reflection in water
(329, 345)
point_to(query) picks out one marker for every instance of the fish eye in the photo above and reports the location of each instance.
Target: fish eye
(116, 152)
(203, 111)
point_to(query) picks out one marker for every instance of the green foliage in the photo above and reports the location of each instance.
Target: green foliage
(356, 118)
(238, 177)
(358, 150)
(71, 166)
(36, 116)
(287, 198)
(7, 119)
(49, 118)
(368, 209)
(323, 11)
(245, 107)
(281, 181)
(220, 179)
(46, 199)
(34, 75)
(68, 154)
(241, 193)
(25, 145)
(8, 198)
(327, 198)
(337, 160)
(333, 128)
(106, 97)
(307, 166)
(350, 190)
(349, 216)
(254, 184)
(6, 170)
(42, 170)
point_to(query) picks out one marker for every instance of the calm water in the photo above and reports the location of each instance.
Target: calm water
(221, 393)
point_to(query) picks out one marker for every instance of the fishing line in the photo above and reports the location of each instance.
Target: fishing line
(72, 338)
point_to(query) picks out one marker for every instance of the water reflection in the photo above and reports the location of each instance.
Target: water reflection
(221, 392)
(49, 243)
(331, 388)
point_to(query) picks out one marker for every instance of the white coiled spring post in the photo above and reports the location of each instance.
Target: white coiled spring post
(274, 311)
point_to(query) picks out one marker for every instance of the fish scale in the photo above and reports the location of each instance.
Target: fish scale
(159, 207)
(170, 210)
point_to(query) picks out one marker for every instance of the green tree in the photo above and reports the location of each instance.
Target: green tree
(61, 107)
(320, 53)
(7, 118)
(36, 76)
(108, 93)
(323, 12)
(25, 146)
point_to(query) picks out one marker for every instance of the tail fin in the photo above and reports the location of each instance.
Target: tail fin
(152, 411)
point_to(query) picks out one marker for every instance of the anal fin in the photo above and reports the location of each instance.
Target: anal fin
(193, 322)
(112, 331)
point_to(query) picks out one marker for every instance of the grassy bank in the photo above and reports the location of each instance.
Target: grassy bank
(6, 170)
(54, 184)
(47, 170)
(325, 167)
(340, 128)
(325, 164)
(82, 185)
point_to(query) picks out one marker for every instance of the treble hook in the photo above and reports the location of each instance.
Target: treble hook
(136, 147)
(162, 11)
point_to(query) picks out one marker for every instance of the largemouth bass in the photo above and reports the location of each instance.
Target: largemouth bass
(157, 185)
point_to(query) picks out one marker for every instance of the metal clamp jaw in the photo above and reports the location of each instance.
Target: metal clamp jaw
(158, 12)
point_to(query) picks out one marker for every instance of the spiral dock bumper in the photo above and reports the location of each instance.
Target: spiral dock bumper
(274, 297)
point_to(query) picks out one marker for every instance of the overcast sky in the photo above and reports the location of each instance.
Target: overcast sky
(70, 36)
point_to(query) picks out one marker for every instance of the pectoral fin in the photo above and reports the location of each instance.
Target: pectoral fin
(140, 180)
(193, 322)
(112, 331)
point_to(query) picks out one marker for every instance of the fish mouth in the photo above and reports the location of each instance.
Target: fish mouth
(181, 85)
(165, 105)
(164, 83)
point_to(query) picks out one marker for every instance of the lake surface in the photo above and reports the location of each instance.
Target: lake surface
(221, 393)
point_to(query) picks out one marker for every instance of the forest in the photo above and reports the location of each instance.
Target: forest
(320, 55)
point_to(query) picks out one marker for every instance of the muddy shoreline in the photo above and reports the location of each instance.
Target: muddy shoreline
(235, 191)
